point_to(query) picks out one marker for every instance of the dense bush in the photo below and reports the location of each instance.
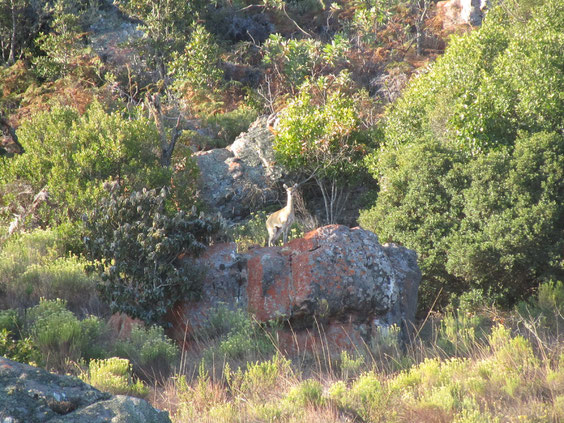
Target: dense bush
(479, 200)
(237, 333)
(197, 68)
(320, 134)
(152, 353)
(293, 60)
(72, 156)
(33, 265)
(135, 247)
(56, 332)
(491, 83)
(490, 222)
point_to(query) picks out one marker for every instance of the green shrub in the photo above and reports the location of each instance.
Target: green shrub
(32, 266)
(295, 59)
(9, 320)
(477, 126)
(64, 278)
(236, 333)
(73, 155)
(19, 253)
(308, 393)
(320, 133)
(61, 337)
(114, 375)
(197, 68)
(17, 349)
(546, 308)
(96, 337)
(459, 333)
(259, 377)
(151, 352)
(455, 212)
(350, 366)
(367, 397)
(56, 332)
(135, 247)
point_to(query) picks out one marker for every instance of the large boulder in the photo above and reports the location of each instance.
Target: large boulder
(32, 395)
(458, 12)
(337, 277)
(239, 178)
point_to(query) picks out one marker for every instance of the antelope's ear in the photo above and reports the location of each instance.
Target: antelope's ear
(285, 186)
(295, 186)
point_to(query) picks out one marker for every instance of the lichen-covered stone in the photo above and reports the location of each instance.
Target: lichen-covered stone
(32, 395)
(339, 279)
(239, 178)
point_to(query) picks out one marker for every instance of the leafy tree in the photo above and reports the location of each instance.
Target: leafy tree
(165, 23)
(471, 165)
(489, 84)
(319, 134)
(135, 246)
(72, 156)
(64, 48)
(492, 222)
(293, 60)
(197, 68)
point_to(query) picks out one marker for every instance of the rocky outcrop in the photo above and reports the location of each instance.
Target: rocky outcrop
(32, 395)
(457, 12)
(337, 277)
(239, 178)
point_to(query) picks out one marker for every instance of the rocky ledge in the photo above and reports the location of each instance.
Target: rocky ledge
(32, 395)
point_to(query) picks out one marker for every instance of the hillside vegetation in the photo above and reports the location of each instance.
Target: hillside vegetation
(456, 154)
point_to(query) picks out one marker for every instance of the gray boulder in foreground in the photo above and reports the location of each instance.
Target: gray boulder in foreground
(32, 395)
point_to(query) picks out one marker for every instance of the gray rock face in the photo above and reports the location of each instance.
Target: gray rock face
(32, 395)
(334, 274)
(237, 179)
(458, 12)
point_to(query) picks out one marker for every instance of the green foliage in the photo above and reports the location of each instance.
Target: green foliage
(96, 338)
(28, 249)
(135, 246)
(152, 353)
(238, 334)
(459, 333)
(308, 393)
(22, 350)
(230, 125)
(63, 47)
(491, 221)
(165, 24)
(114, 375)
(370, 16)
(259, 377)
(366, 396)
(197, 68)
(350, 366)
(60, 337)
(320, 132)
(490, 83)
(56, 332)
(72, 156)
(32, 266)
(62, 278)
(293, 59)
(9, 320)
